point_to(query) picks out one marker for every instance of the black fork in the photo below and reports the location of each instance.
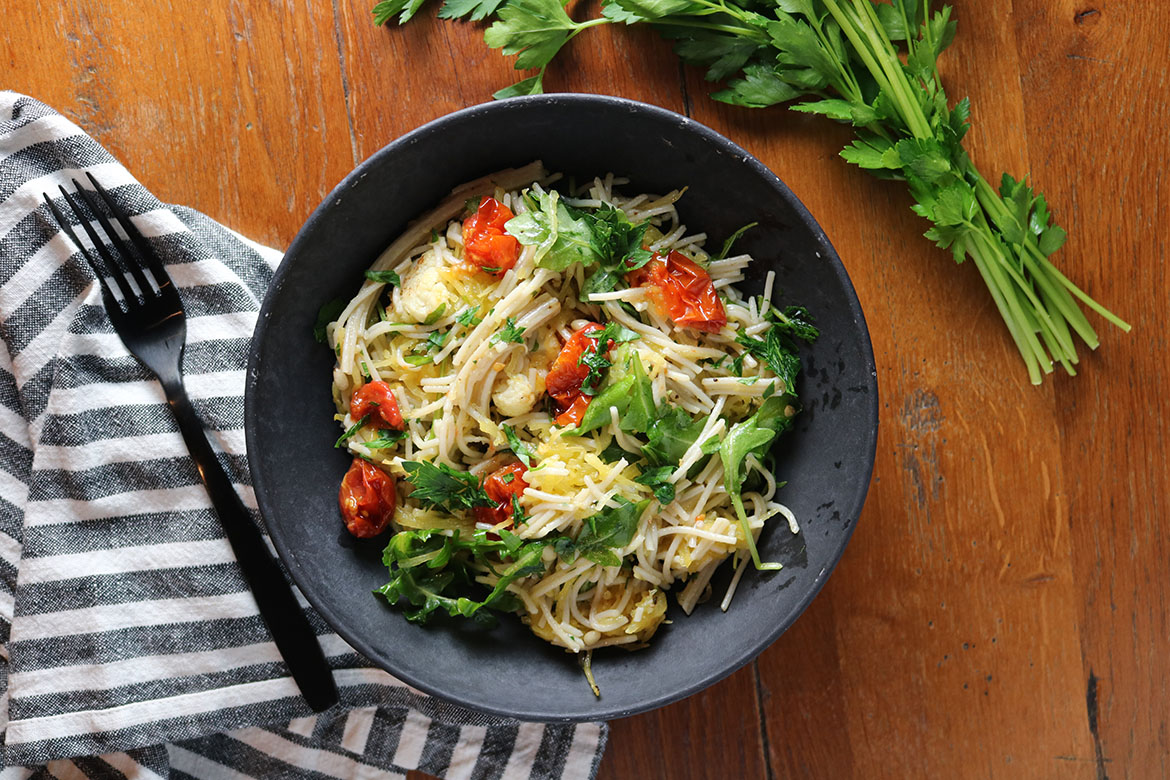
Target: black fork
(152, 324)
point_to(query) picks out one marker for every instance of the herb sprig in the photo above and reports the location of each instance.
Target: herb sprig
(872, 65)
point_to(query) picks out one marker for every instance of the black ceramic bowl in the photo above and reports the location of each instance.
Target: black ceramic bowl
(826, 459)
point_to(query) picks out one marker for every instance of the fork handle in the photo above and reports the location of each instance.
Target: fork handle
(284, 617)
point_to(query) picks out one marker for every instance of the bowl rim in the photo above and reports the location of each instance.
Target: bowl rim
(251, 400)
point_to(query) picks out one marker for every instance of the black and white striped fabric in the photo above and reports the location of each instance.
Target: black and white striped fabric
(130, 645)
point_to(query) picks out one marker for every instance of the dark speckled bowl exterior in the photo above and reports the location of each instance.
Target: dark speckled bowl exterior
(827, 459)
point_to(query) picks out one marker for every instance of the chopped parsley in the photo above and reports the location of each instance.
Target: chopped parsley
(444, 488)
(509, 333)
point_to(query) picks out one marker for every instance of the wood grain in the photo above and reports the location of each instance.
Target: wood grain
(1002, 610)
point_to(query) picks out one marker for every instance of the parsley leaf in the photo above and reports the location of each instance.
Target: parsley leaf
(777, 348)
(444, 488)
(519, 448)
(534, 29)
(436, 315)
(509, 333)
(475, 10)
(352, 430)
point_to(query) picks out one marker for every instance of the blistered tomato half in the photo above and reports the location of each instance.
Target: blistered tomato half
(377, 400)
(568, 373)
(485, 243)
(683, 291)
(368, 497)
(503, 486)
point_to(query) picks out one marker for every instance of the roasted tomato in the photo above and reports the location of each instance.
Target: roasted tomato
(683, 291)
(377, 400)
(568, 373)
(368, 498)
(485, 243)
(502, 486)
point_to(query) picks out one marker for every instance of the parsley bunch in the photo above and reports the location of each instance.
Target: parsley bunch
(869, 64)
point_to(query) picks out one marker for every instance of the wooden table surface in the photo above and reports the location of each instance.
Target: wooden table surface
(1002, 609)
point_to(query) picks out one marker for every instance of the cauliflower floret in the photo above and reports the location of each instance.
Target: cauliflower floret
(423, 289)
(515, 396)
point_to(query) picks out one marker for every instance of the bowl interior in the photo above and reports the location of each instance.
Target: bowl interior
(826, 459)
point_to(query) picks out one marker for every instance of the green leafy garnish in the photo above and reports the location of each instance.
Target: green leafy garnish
(430, 570)
(467, 318)
(561, 234)
(386, 277)
(325, 315)
(519, 448)
(778, 347)
(612, 527)
(614, 452)
(435, 315)
(658, 480)
(436, 338)
(732, 239)
(418, 360)
(357, 426)
(444, 488)
(671, 435)
(387, 437)
(751, 437)
(509, 333)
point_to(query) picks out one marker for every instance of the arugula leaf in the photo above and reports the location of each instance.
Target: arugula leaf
(561, 234)
(658, 480)
(641, 412)
(428, 569)
(509, 333)
(519, 448)
(418, 360)
(613, 453)
(444, 488)
(386, 277)
(357, 426)
(732, 239)
(612, 527)
(325, 315)
(597, 413)
(436, 315)
(670, 436)
(751, 437)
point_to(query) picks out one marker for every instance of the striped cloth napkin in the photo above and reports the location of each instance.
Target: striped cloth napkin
(130, 645)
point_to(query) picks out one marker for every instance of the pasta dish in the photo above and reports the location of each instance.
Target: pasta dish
(560, 406)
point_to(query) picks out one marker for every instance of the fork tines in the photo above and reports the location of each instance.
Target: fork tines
(104, 263)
